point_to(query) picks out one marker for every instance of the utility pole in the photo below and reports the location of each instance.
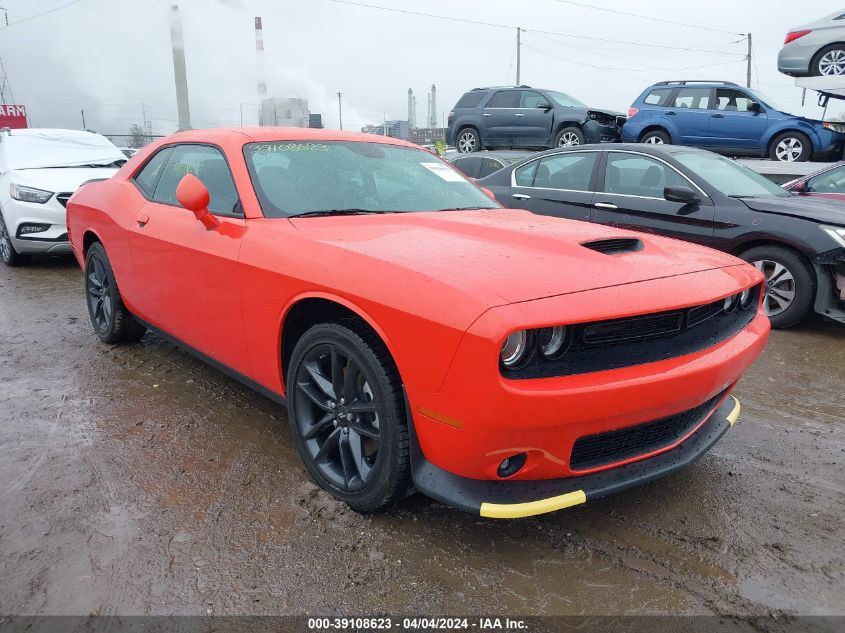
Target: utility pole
(242, 114)
(748, 59)
(82, 112)
(340, 108)
(518, 51)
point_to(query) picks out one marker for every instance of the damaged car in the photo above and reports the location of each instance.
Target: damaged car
(525, 117)
(796, 241)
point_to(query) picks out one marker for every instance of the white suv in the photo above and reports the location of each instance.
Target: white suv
(39, 170)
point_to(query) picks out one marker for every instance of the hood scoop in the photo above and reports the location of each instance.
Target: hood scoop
(615, 245)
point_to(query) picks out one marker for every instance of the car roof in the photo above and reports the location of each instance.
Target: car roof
(695, 83)
(643, 148)
(269, 134)
(503, 153)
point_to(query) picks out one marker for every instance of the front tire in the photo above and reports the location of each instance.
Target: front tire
(8, 253)
(789, 287)
(829, 62)
(791, 147)
(112, 322)
(346, 411)
(468, 141)
(569, 137)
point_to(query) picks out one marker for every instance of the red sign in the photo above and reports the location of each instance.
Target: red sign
(13, 116)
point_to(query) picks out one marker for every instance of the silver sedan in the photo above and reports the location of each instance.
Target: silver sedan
(815, 49)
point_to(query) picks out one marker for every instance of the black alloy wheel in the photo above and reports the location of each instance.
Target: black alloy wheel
(346, 412)
(112, 322)
(8, 253)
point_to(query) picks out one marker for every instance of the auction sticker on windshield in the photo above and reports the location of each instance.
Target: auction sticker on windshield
(444, 171)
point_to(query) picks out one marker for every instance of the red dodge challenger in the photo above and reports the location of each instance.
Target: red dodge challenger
(421, 336)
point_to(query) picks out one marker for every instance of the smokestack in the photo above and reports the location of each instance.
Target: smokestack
(179, 73)
(411, 108)
(415, 111)
(259, 59)
(433, 122)
(428, 110)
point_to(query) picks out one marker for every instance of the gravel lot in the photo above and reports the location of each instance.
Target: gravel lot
(137, 480)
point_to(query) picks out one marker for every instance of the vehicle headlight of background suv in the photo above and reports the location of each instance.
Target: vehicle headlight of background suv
(836, 232)
(29, 194)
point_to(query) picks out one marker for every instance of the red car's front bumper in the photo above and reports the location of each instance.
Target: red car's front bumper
(478, 418)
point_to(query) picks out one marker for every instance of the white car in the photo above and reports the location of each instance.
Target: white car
(39, 170)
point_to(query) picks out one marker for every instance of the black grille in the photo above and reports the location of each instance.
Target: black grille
(63, 198)
(615, 246)
(616, 343)
(601, 449)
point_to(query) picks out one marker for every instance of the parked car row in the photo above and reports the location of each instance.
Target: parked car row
(720, 116)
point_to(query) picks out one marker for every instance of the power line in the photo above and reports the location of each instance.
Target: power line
(646, 17)
(38, 15)
(511, 27)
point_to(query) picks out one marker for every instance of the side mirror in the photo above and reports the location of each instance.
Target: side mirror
(755, 107)
(684, 195)
(488, 193)
(799, 187)
(193, 195)
(544, 105)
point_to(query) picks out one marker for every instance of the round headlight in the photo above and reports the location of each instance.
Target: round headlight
(730, 303)
(515, 349)
(551, 340)
(745, 299)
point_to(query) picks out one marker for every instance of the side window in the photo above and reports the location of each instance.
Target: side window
(635, 175)
(470, 99)
(147, 178)
(731, 100)
(531, 99)
(505, 99)
(488, 166)
(832, 181)
(694, 98)
(572, 171)
(659, 97)
(525, 174)
(207, 164)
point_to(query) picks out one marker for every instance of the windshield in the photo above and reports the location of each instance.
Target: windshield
(293, 178)
(38, 149)
(766, 101)
(729, 177)
(563, 99)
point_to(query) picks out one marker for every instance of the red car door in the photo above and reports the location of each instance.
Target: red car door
(189, 274)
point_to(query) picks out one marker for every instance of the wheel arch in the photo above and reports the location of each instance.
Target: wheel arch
(567, 123)
(791, 127)
(89, 237)
(309, 309)
(654, 127)
(768, 241)
(815, 59)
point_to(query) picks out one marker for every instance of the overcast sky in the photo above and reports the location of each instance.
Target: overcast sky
(112, 57)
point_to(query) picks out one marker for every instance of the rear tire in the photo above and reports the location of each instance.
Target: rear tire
(656, 137)
(8, 253)
(791, 147)
(111, 321)
(789, 288)
(468, 141)
(346, 410)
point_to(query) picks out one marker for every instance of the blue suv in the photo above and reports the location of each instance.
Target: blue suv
(526, 117)
(730, 119)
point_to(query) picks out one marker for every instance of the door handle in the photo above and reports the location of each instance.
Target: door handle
(486, 114)
(142, 220)
(671, 112)
(718, 116)
(604, 205)
(520, 196)
(519, 114)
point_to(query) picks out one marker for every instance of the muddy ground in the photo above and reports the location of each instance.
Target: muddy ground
(135, 479)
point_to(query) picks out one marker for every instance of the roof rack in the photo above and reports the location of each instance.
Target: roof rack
(495, 87)
(683, 82)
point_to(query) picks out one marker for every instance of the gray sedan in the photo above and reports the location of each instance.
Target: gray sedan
(815, 49)
(481, 164)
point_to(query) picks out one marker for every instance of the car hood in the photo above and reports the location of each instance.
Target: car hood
(505, 255)
(58, 179)
(606, 111)
(813, 208)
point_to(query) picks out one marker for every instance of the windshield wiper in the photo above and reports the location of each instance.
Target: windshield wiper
(466, 209)
(338, 212)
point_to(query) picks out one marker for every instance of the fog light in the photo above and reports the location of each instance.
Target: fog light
(510, 465)
(27, 229)
(730, 303)
(551, 340)
(745, 299)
